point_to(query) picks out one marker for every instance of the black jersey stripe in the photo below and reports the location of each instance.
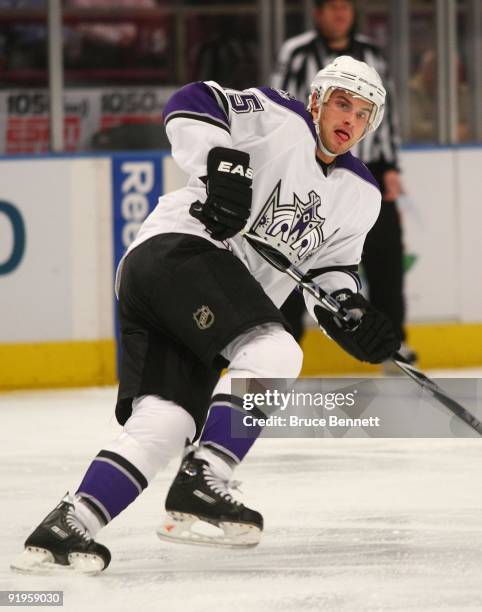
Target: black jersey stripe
(224, 398)
(220, 98)
(126, 465)
(197, 117)
(351, 270)
(97, 510)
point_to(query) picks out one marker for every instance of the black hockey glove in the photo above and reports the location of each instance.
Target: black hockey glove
(228, 205)
(373, 338)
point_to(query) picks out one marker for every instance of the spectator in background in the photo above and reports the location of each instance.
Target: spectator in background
(88, 44)
(299, 60)
(24, 43)
(423, 101)
(104, 44)
(230, 55)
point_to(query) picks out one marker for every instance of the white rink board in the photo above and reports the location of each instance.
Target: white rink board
(58, 292)
(351, 525)
(469, 222)
(36, 299)
(90, 205)
(62, 288)
(431, 231)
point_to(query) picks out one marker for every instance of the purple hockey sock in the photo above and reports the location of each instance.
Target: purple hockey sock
(225, 431)
(110, 484)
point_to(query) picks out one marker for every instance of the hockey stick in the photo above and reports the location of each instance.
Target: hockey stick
(283, 264)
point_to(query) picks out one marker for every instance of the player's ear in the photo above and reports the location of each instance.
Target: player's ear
(314, 106)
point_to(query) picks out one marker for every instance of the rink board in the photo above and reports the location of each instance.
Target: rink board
(66, 220)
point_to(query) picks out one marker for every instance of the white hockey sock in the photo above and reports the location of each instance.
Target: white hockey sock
(86, 517)
(155, 432)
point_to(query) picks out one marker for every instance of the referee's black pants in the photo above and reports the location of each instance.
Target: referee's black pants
(382, 261)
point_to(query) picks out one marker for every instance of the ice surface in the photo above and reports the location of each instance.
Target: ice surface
(361, 525)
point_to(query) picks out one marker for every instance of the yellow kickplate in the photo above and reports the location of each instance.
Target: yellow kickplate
(91, 363)
(57, 364)
(447, 345)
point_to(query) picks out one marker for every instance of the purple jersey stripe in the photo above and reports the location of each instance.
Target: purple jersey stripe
(195, 100)
(348, 161)
(225, 429)
(111, 487)
(292, 104)
(126, 465)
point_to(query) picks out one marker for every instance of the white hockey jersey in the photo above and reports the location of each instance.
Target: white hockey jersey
(319, 222)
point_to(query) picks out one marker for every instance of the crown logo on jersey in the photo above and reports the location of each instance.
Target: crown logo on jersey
(293, 229)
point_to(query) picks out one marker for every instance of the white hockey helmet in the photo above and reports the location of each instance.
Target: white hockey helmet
(356, 77)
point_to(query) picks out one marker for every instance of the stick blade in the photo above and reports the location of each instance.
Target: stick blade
(268, 252)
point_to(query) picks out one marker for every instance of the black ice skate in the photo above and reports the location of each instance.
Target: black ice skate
(61, 543)
(201, 509)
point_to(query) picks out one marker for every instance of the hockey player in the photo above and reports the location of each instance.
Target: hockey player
(195, 297)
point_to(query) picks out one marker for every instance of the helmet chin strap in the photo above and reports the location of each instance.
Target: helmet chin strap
(320, 144)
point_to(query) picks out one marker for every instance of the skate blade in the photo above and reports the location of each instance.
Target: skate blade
(189, 529)
(41, 561)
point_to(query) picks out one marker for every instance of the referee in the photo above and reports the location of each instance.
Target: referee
(299, 60)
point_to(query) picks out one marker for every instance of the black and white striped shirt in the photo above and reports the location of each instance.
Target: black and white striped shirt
(301, 57)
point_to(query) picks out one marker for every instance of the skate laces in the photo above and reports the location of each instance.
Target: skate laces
(220, 486)
(75, 525)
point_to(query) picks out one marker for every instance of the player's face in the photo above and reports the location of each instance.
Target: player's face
(335, 19)
(343, 120)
